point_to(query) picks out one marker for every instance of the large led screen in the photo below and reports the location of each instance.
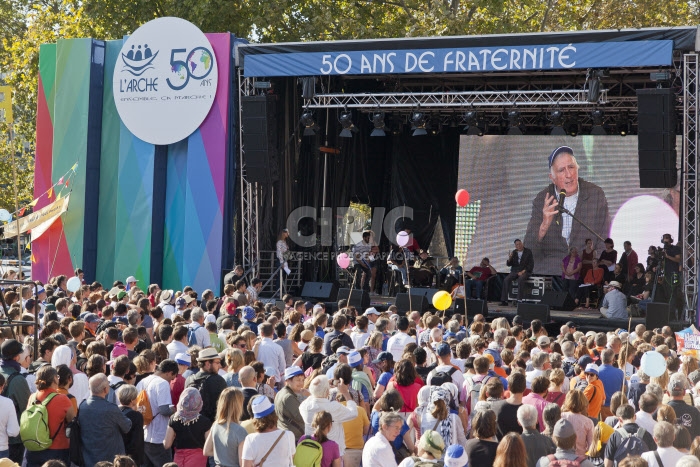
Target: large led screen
(508, 178)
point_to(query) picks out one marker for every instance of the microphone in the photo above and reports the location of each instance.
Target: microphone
(562, 197)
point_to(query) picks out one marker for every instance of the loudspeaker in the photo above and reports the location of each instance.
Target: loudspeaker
(558, 300)
(474, 307)
(359, 299)
(259, 139)
(656, 123)
(657, 315)
(532, 311)
(323, 291)
(427, 293)
(417, 302)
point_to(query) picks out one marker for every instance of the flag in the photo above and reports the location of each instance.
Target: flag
(21, 211)
(28, 247)
(75, 166)
(34, 259)
(67, 182)
(33, 203)
(60, 181)
(58, 196)
(50, 192)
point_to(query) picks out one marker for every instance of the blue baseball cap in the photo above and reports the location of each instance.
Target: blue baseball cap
(557, 152)
(248, 313)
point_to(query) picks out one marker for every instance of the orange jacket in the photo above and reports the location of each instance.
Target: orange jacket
(595, 393)
(594, 276)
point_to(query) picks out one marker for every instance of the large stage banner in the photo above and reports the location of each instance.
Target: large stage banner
(39, 221)
(462, 60)
(165, 87)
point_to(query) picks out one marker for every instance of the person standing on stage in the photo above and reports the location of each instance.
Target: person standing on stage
(521, 264)
(549, 232)
(282, 255)
(363, 254)
(672, 277)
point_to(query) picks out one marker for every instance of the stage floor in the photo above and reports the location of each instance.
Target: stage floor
(586, 320)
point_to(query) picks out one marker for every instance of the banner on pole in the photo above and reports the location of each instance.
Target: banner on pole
(38, 222)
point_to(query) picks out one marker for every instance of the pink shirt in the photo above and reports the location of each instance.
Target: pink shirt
(331, 451)
(584, 430)
(539, 403)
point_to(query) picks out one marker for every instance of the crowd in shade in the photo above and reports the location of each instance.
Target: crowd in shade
(139, 376)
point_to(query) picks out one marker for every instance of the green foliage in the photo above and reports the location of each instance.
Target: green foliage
(25, 171)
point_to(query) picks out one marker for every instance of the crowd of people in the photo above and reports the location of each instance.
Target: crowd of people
(148, 377)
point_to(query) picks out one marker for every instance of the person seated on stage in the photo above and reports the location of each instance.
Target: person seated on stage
(477, 277)
(615, 303)
(451, 274)
(423, 271)
(594, 278)
(635, 286)
(366, 262)
(644, 298)
(397, 262)
(618, 275)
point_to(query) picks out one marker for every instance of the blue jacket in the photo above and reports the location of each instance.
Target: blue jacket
(101, 426)
(612, 379)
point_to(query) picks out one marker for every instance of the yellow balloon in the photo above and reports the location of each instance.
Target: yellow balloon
(442, 300)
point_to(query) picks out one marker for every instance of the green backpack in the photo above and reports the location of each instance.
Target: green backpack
(34, 425)
(308, 454)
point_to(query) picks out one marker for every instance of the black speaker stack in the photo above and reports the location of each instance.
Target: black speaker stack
(260, 138)
(532, 311)
(474, 307)
(359, 299)
(320, 291)
(656, 123)
(558, 300)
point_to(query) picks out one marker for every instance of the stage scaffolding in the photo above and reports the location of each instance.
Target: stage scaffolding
(493, 103)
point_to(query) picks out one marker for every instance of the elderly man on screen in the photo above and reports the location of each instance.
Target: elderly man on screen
(549, 232)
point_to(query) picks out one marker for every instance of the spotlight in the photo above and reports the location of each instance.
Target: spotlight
(377, 118)
(514, 122)
(623, 124)
(310, 126)
(472, 119)
(419, 123)
(572, 128)
(557, 118)
(345, 120)
(598, 117)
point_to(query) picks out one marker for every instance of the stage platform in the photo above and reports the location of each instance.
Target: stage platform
(586, 320)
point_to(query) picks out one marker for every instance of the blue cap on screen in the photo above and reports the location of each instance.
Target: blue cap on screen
(557, 151)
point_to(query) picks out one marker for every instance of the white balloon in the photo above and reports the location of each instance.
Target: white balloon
(402, 238)
(73, 284)
(5, 215)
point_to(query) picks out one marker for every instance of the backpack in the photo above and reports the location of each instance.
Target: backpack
(73, 433)
(441, 377)
(308, 453)
(144, 406)
(34, 425)
(475, 391)
(554, 462)
(418, 462)
(631, 445)
(117, 385)
(568, 368)
(191, 336)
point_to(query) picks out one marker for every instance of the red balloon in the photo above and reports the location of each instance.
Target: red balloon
(462, 198)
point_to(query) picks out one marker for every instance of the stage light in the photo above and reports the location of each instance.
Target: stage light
(593, 84)
(556, 116)
(472, 119)
(345, 120)
(310, 126)
(419, 123)
(598, 117)
(377, 118)
(623, 124)
(514, 122)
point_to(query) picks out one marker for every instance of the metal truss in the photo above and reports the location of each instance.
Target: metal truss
(250, 251)
(691, 68)
(455, 99)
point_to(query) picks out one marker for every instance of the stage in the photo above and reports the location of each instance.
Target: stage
(586, 320)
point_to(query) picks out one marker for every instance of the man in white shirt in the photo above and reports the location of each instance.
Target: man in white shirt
(372, 315)
(157, 387)
(664, 435)
(201, 334)
(166, 298)
(444, 355)
(647, 406)
(398, 342)
(540, 363)
(179, 342)
(270, 353)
